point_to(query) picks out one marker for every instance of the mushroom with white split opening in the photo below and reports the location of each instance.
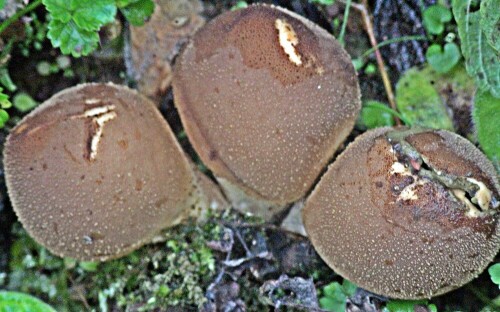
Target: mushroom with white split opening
(407, 213)
(265, 97)
(95, 172)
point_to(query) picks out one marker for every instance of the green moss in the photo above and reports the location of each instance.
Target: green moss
(172, 273)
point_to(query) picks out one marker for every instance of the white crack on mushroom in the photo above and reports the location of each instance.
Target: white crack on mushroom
(100, 116)
(288, 40)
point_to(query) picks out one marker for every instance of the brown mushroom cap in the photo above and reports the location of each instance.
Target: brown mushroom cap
(380, 220)
(96, 172)
(265, 97)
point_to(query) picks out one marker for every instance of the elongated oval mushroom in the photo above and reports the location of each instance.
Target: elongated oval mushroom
(95, 172)
(266, 97)
(407, 213)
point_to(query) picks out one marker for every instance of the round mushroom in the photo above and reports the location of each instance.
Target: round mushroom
(266, 97)
(95, 172)
(407, 214)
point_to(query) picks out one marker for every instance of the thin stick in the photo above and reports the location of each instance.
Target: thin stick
(380, 62)
(344, 22)
(30, 7)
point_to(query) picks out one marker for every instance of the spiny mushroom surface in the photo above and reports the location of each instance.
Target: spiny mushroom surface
(265, 97)
(95, 172)
(407, 213)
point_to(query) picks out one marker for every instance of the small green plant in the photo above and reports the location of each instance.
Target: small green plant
(4, 104)
(19, 302)
(375, 114)
(435, 18)
(494, 271)
(23, 102)
(239, 5)
(443, 59)
(74, 24)
(408, 306)
(335, 295)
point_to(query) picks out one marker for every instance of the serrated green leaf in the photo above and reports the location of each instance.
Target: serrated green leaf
(91, 15)
(494, 271)
(332, 304)
(435, 17)
(490, 22)
(138, 13)
(419, 102)
(19, 302)
(443, 60)
(486, 116)
(58, 9)
(71, 39)
(332, 289)
(88, 15)
(334, 298)
(481, 59)
(335, 295)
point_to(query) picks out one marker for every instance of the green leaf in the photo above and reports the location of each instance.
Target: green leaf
(91, 15)
(407, 305)
(239, 5)
(443, 61)
(419, 102)
(19, 302)
(334, 298)
(23, 102)
(6, 81)
(4, 116)
(481, 59)
(375, 114)
(335, 295)
(58, 9)
(71, 39)
(2, 4)
(490, 22)
(494, 271)
(138, 13)
(349, 288)
(89, 266)
(4, 100)
(88, 15)
(486, 117)
(435, 17)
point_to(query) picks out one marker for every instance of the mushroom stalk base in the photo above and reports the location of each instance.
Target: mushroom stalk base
(247, 204)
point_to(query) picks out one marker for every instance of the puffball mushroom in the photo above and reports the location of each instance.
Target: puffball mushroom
(95, 172)
(407, 213)
(265, 97)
